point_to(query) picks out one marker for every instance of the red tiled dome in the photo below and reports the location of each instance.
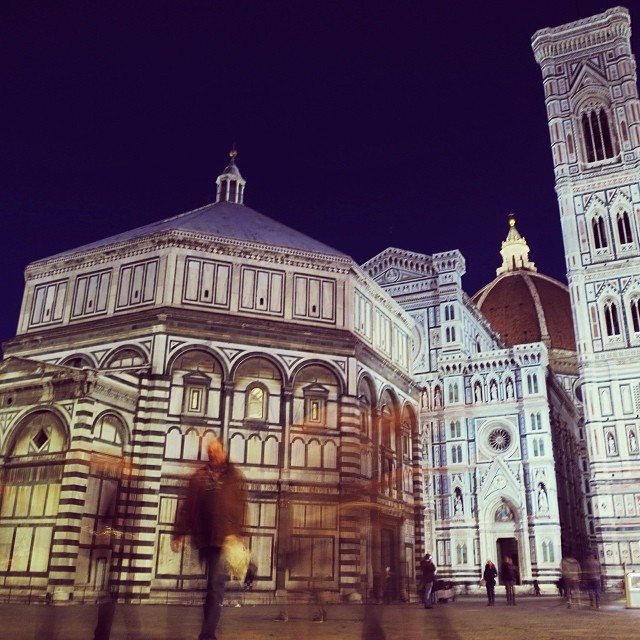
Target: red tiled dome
(526, 306)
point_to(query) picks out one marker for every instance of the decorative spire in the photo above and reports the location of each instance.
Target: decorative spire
(515, 251)
(230, 183)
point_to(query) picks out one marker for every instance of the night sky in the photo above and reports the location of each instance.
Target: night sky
(363, 124)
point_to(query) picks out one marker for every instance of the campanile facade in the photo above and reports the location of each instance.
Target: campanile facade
(591, 97)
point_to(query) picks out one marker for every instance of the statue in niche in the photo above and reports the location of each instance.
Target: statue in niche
(477, 392)
(504, 514)
(493, 390)
(611, 444)
(458, 506)
(424, 398)
(437, 398)
(633, 442)
(509, 388)
(543, 502)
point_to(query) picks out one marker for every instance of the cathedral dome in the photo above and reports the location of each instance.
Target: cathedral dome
(525, 306)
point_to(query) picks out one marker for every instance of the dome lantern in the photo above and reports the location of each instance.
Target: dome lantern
(514, 251)
(230, 184)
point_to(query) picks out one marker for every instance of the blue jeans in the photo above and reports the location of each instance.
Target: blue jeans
(215, 592)
(428, 586)
(595, 589)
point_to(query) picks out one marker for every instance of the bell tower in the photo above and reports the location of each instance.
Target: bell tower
(591, 97)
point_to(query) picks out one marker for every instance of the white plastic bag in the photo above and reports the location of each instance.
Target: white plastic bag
(236, 557)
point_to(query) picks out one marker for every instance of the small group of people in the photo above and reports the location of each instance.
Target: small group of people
(575, 576)
(508, 577)
(569, 585)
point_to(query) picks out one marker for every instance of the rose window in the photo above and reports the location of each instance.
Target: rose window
(499, 439)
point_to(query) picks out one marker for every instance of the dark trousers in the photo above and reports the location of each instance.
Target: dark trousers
(511, 592)
(491, 592)
(215, 592)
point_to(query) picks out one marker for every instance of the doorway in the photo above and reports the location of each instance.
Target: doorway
(508, 547)
(389, 564)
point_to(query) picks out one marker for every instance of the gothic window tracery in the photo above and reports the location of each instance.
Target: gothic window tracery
(596, 133)
(624, 228)
(611, 321)
(599, 232)
(635, 314)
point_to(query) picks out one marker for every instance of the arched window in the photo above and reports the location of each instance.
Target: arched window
(624, 228)
(454, 395)
(256, 403)
(536, 422)
(599, 233)
(365, 415)
(532, 383)
(635, 314)
(78, 362)
(386, 425)
(125, 359)
(597, 135)
(611, 321)
(32, 478)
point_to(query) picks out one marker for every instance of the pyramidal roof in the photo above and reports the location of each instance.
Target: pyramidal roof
(228, 218)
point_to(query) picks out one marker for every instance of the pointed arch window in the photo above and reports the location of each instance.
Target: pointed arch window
(597, 135)
(635, 315)
(599, 233)
(624, 228)
(532, 383)
(611, 320)
(538, 447)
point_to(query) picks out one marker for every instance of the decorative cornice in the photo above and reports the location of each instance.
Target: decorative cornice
(173, 238)
(594, 31)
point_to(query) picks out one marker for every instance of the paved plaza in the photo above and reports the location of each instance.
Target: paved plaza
(542, 618)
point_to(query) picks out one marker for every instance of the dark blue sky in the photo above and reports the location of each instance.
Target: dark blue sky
(364, 124)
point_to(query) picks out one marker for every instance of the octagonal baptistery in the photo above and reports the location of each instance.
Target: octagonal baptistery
(135, 350)
(525, 306)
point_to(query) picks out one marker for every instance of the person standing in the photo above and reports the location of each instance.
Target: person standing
(489, 576)
(508, 578)
(428, 569)
(212, 513)
(570, 569)
(591, 572)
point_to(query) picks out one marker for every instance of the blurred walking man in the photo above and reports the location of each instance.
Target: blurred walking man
(212, 512)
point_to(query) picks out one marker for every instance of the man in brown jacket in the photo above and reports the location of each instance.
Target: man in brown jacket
(212, 511)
